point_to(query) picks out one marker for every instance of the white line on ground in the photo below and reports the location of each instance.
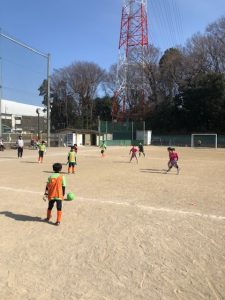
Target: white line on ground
(127, 204)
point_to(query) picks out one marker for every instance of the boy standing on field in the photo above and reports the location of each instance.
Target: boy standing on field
(55, 190)
(20, 145)
(103, 148)
(71, 160)
(41, 151)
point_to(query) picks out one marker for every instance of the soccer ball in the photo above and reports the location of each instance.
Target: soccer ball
(70, 196)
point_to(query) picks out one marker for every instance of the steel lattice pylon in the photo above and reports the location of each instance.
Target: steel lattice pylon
(133, 39)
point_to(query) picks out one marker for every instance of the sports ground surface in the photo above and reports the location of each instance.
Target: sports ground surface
(133, 231)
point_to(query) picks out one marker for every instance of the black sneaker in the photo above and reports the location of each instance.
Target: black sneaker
(57, 223)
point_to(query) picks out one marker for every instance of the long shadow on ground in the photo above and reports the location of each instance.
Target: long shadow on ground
(121, 162)
(157, 171)
(19, 217)
(8, 157)
(29, 162)
(50, 172)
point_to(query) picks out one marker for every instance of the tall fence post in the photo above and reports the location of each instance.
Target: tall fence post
(99, 130)
(48, 103)
(0, 93)
(132, 131)
(144, 131)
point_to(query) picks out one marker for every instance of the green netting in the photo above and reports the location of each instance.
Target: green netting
(123, 142)
(185, 140)
(121, 131)
(171, 140)
(204, 141)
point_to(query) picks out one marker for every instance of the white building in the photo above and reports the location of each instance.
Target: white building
(20, 116)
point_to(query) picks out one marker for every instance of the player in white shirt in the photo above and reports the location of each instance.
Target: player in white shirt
(20, 144)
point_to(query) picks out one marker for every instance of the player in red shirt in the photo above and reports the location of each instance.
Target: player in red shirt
(173, 159)
(133, 152)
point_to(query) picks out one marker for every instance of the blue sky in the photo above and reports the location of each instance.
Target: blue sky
(78, 30)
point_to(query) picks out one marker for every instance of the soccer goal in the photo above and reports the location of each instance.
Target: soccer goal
(208, 140)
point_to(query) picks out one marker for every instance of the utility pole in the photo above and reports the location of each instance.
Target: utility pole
(0, 90)
(38, 113)
(1, 96)
(48, 102)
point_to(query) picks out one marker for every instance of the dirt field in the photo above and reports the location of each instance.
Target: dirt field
(133, 232)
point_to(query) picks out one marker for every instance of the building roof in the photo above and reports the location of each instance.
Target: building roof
(74, 130)
(20, 109)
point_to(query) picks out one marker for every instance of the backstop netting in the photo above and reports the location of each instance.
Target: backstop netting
(22, 71)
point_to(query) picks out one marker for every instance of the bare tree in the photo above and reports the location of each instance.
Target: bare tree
(150, 66)
(83, 79)
(80, 82)
(171, 66)
(216, 36)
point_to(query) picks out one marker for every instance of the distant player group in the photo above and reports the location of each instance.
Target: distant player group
(134, 150)
(173, 156)
(56, 183)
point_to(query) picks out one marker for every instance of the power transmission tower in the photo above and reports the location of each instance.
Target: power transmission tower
(130, 91)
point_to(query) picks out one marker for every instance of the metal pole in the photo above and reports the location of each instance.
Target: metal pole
(144, 131)
(99, 130)
(0, 91)
(132, 130)
(0, 96)
(48, 103)
(38, 125)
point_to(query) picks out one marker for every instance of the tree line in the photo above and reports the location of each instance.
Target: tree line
(185, 88)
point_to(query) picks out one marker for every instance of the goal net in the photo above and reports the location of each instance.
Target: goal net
(208, 140)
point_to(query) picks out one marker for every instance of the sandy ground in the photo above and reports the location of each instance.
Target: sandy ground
(132, 233)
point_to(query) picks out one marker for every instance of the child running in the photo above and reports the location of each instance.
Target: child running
(75, 147)
(71, 160)
(141, 149)
(173, 158)
(41, 151)
(55, 190)
(133, 151)
(103, 148)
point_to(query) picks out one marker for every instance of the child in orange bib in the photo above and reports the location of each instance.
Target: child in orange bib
(55, 190)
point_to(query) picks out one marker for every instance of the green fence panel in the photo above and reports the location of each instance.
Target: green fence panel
(123, 142)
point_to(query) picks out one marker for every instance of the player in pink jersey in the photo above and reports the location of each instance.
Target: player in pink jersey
(133, 152)
(173, 159)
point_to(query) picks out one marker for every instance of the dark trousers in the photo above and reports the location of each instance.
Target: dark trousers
(58, 204)
(20, 151)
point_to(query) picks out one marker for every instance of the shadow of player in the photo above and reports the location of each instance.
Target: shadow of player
(19, 217)
(50, 172)
(157, 171)
(29, 162)
(121, 162)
